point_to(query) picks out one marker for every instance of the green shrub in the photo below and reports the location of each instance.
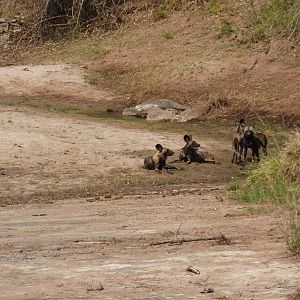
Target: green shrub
(277, 179)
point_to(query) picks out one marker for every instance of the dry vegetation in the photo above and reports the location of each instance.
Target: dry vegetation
(277, 179)
(49, 18)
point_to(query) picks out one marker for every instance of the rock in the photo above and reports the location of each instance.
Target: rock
(95, 286)
(56, 248)
(130, 112)
(158, 114)
(193, 270)
(192, 114)
(162, 104)
(207, 291)
(156, 107)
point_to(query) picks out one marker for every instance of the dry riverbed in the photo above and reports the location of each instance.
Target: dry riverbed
(78, 210)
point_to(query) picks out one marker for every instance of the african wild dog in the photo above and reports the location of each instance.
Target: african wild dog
(254, 141)
(189, 152)
(238, 148)
(158, 160)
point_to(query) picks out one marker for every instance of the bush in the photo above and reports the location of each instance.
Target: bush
(280, 17)
(277, 178)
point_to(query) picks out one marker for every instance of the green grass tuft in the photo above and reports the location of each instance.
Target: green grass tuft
(92, 79)
(225, 29)
(280, 17)
(168, 35)
(214, 7)
(160, 13)
(233, 186)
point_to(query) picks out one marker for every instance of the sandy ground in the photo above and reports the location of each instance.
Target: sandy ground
(61, 249)
(57, 251)
(49, 80)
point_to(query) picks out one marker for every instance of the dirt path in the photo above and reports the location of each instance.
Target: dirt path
(57, 249)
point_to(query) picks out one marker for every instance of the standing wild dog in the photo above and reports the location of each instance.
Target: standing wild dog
(189, 152)
(157, 162)
(237, 143)
(254, 141)
(264, 141)
(238, 148)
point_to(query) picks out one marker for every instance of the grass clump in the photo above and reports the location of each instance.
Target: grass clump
(168, 35)
(233, 186)
(280, 17)
(277, 179)
(92, 79)
(225, 29)
(160, 13)
(214, 7)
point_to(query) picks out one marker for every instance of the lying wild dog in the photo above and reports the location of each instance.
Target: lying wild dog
(254, 141)
(189, 152)
(157, 162)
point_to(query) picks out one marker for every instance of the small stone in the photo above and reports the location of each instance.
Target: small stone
(208, 291)
(193, 270)
(95, 286)
(175, 192)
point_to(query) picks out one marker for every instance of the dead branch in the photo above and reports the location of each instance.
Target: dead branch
(252, 66)
(188, 240)
(79, 13)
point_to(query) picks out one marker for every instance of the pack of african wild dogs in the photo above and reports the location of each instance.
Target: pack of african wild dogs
(244, 138)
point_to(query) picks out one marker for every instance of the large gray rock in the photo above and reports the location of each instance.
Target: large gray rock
(158, 114)
(130, 112)
(160, 103)
(163, 109)
(191, 114)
